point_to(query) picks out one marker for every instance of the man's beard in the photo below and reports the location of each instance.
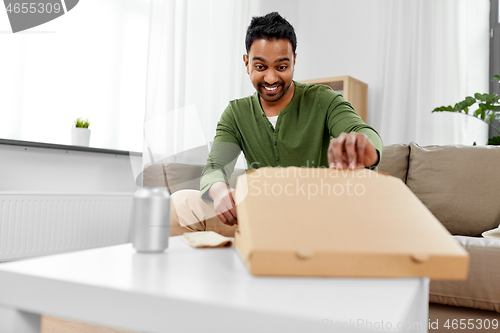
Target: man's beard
(273, 97)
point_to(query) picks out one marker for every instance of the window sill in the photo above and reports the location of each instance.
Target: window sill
(32, 144)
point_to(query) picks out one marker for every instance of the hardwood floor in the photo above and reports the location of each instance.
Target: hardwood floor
(57, 325)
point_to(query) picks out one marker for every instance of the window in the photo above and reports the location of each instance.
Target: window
(90, 63)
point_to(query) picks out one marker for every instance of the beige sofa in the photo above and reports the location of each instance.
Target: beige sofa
(460, 185)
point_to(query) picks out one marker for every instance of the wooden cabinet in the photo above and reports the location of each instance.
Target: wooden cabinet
(354, 91)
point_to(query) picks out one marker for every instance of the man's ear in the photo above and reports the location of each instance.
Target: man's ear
(294, 58)
(245, 60)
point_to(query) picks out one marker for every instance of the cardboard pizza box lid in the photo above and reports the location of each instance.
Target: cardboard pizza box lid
(340, 223)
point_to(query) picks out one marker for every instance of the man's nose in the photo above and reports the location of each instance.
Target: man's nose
(270, 77)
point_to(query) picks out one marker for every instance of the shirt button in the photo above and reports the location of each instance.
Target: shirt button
(277, 159)
(275, 143)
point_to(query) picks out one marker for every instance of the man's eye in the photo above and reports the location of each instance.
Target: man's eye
(259, 67)
(282, 68)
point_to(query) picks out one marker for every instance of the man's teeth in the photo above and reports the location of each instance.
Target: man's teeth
(271, 89)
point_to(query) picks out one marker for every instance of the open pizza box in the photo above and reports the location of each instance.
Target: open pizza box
(340, 223)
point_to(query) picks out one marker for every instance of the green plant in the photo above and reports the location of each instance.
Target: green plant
(83, 123)
(488, 109)
(494, 141)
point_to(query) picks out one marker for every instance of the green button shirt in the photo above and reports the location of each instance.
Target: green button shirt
(301, 137)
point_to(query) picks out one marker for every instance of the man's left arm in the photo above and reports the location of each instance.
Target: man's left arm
(354, 143)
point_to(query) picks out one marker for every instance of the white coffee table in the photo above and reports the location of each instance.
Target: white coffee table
(198, 290)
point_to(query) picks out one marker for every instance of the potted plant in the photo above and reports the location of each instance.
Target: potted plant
(488, 109)
(80, 134)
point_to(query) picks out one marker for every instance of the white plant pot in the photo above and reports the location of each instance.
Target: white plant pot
(80, 136)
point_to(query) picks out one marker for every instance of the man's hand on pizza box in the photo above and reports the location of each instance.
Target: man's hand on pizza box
(351, 150)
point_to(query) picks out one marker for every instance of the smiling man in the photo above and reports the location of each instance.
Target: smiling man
(285, 123)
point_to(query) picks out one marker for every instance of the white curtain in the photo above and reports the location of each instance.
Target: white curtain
(195, 67)
(435, 53)
(90, 63)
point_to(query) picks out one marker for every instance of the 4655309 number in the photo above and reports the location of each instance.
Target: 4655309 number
(34, 7)
(471, 324)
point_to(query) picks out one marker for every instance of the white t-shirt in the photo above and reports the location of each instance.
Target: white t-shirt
(273, 120)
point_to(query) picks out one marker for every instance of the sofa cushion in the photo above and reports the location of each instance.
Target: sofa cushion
(459, 184)
(182, 176)
(395, 160)
(481, 290)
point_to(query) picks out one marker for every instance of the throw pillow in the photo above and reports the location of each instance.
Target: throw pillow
(459, 184)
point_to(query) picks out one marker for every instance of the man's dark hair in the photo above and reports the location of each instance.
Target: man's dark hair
(271, 26)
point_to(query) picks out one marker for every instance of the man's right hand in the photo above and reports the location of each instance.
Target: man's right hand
(224, 206)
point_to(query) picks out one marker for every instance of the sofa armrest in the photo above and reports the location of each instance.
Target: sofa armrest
(183, 176)
(154, 176)
(481, 290)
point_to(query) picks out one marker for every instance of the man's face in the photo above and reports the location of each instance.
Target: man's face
(270, 64)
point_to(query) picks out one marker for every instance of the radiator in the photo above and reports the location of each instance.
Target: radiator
(34, 224)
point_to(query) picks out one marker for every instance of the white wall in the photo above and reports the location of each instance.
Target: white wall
(335, 38)
(53, 170)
